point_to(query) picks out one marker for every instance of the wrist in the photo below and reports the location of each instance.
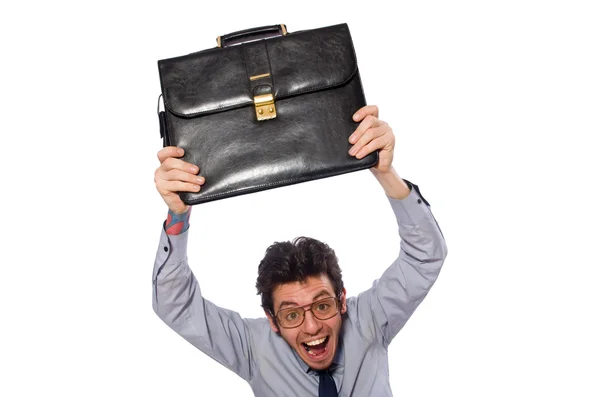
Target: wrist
(178, 223)
(392, 184)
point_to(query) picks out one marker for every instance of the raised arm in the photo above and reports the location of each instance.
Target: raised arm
(383, 309)
(176, 296)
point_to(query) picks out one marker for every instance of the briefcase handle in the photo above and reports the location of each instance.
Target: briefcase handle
(242, 36)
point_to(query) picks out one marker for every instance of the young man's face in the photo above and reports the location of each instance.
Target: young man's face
(326, 332)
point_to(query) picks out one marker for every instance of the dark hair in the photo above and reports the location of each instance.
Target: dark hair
(296, 260)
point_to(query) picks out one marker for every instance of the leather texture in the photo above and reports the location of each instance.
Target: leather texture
(209, 111)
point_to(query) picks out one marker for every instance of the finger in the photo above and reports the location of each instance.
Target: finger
(169, 151)
(368, 122)
(365, 111)
(178, 175)
(169, 187)
(367, 137)
(172, 163)
(375, 144)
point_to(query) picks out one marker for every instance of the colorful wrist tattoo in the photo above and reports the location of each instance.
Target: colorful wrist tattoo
(178, 223)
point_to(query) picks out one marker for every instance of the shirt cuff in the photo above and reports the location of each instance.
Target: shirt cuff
(171, 249)
(411, 209)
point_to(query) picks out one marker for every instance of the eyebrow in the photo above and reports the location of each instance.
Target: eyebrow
(316, 297)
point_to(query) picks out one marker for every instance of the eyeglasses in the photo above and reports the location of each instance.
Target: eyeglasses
(322, 309)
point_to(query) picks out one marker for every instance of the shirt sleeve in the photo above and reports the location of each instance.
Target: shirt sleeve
(177, 299)
(382, 310)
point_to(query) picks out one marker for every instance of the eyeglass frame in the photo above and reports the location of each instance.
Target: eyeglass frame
(338, 304)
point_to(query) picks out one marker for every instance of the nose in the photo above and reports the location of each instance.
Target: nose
(311, 325)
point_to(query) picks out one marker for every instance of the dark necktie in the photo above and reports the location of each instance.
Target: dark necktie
(326, 385)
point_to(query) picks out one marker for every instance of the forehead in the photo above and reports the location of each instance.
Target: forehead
(302, 293)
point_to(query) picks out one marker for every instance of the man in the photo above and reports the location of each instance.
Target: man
(314, 340)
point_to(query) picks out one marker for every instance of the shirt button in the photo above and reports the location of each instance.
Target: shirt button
(418, 201)
(166, 249)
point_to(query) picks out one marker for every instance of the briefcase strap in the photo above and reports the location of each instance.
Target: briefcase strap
(243, 36)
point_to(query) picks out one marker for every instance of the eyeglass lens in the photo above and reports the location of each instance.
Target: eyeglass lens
(322, 309)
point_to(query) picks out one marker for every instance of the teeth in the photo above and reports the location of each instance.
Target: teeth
(316, 342)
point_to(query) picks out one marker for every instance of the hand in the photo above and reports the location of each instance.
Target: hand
(373, 134)
(175, 175)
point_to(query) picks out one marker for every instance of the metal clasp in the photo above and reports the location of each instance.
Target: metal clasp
(265, 107)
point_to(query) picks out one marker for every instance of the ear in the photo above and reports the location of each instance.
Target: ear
(272, 322)
(343, 302)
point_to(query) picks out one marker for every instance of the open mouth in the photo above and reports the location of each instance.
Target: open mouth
(318, 348)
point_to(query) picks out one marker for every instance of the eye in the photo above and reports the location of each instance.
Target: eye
(292, 316)
(323, 307)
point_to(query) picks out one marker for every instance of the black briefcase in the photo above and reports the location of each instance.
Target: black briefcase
(264, 109)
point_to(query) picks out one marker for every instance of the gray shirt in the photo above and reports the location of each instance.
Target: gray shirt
(252, 350)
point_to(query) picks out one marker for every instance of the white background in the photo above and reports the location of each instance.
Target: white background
(495, 106)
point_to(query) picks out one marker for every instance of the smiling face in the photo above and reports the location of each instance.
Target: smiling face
(314, 340)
